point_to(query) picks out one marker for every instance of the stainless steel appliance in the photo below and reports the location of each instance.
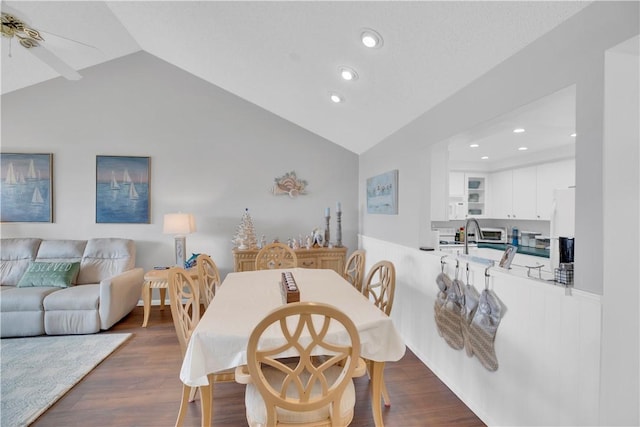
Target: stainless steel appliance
(492, 235)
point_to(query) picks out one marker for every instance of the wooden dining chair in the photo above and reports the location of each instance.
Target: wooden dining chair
(302, 389)
(208, 278)
(276, 255)
(354, 270)
(184, 297)
(380, 286)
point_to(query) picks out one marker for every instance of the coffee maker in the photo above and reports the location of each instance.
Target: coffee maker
(564, 272)
(566, 250)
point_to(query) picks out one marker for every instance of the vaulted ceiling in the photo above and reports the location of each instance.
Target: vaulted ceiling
(285, 56)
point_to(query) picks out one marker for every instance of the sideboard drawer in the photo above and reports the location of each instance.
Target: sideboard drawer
(307, 262)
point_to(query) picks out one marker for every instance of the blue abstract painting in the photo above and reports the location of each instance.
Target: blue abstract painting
(382, 193)
(25, 187)
(122, 189)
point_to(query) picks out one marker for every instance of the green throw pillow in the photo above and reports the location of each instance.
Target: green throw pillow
(59, 274)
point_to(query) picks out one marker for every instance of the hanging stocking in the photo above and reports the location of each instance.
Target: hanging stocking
(483, 329)
(469, 306)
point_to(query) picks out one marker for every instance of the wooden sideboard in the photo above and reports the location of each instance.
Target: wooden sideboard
(332, 258)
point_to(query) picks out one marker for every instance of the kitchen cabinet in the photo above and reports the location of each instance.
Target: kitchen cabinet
(514, 194)
(476, 194)
(524, 193)
(457, 203)
(501, 200)
(456, 184)
(527, 193)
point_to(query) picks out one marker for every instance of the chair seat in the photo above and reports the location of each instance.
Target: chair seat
(257, 413)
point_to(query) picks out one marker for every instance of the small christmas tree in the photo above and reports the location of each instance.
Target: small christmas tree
(245, 237)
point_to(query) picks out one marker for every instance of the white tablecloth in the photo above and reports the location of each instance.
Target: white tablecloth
(220, 340)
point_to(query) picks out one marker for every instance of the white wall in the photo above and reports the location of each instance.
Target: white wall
(587, 370)
(212, 154)
(620, 397)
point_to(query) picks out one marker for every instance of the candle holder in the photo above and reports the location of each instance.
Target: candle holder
(339, 230)
(327, 234)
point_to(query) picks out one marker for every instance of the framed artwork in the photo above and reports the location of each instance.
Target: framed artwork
(26, 187)
(382, 193)
(507, 256)
(123, 189)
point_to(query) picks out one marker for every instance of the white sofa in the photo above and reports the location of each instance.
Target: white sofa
(106, 289)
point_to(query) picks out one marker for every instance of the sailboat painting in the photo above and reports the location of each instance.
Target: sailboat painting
(25, 187)
(122, 189)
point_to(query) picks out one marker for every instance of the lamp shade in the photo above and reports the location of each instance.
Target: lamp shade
(179, 224)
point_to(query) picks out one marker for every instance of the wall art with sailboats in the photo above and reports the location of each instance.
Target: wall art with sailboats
(26, 187)
(122, 189)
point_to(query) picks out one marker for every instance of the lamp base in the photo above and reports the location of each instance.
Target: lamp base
(180, 249)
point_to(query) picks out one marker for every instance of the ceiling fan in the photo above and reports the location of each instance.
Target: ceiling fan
(32, 40)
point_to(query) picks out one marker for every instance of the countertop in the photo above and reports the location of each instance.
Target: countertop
(525, 250)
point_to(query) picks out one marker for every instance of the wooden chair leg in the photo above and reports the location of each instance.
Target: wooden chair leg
(385, 393)
(192, 394)
(186, 390)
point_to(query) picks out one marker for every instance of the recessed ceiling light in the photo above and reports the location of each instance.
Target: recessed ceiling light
(348, 73)
(474, 145)
(523, 148)
(371, 38)
(573, 135)
(336, 98)
(518, 130)
(484, 157)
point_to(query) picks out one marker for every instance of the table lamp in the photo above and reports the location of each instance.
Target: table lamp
(179, 224)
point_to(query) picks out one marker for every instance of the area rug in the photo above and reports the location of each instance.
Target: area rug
(38, 371)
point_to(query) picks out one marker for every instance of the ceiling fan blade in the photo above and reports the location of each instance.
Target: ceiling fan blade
(46, 56)
(41, 52)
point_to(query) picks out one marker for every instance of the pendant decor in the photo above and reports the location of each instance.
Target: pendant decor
(289, 184)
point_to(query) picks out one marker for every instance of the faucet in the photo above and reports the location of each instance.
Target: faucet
(466, 232)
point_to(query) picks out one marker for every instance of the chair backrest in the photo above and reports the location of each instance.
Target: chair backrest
(208, 277)
(354, 270)
(184, 297)
(381, 285)
(305, 383)
(276, 255)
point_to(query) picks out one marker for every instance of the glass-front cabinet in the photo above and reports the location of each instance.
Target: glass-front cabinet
(476, 194)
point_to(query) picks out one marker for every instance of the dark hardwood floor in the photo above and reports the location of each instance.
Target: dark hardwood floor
(139, 385)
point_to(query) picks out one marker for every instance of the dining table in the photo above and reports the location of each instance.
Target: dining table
(219, 341)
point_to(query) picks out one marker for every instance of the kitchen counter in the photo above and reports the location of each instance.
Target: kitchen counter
(525, 250)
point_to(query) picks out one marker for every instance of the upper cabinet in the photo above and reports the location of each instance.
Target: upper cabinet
(527, 193)
(476, 194)
(513, 194)
(456, 184)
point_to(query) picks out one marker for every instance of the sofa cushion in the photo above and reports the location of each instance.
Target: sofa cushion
(59, 274)
(15, 256)
(24, 299)
(106, 257)
(82, 297)
(21, 323)
(61, 250)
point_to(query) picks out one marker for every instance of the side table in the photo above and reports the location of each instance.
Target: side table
(158, 279)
